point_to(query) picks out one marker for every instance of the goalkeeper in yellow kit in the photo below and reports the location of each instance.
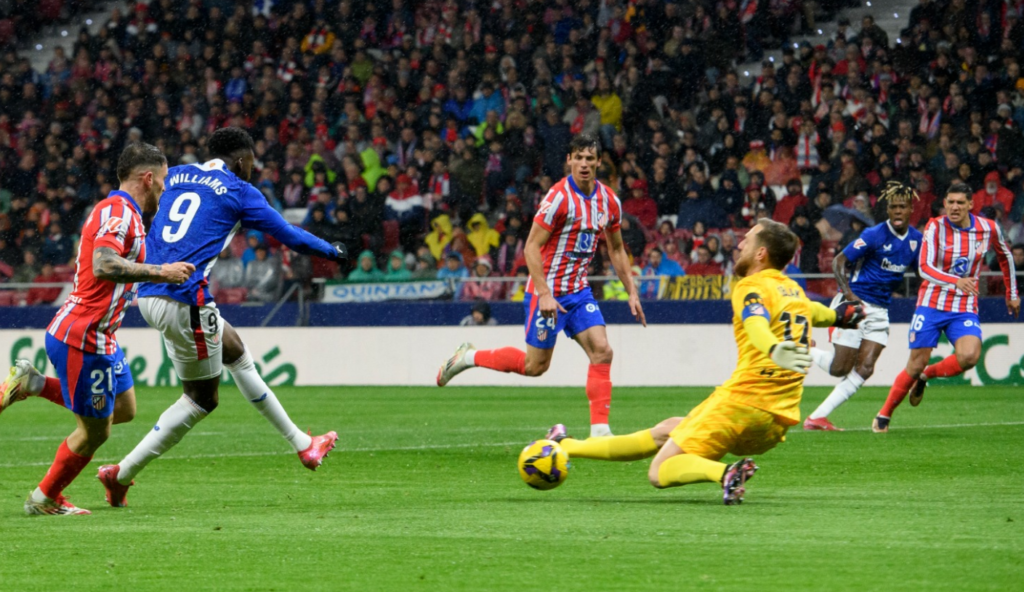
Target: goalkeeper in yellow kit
(752, 411)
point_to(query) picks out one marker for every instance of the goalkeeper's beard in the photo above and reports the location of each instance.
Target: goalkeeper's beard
(742, 267)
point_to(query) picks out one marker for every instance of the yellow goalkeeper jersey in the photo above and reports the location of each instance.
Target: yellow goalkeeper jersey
(757, 381)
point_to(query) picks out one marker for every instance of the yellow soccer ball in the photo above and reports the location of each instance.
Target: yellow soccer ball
(543, 464)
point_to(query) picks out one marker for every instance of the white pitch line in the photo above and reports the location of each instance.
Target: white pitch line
(58, 437)
(468, 445)
(282, 453)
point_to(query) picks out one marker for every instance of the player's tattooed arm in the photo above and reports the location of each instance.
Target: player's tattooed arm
(108, 265)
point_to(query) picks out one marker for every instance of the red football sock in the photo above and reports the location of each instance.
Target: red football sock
(944, 369)
(898, 392)
(506, 359)
(66, 466)
(599, 392)
(51, 391)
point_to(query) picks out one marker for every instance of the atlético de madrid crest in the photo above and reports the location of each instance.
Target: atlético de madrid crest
(99, 402)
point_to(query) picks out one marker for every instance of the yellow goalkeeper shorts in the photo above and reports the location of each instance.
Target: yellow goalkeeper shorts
(718, 426)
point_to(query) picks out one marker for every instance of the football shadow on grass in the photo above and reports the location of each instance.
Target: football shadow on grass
(631, 500)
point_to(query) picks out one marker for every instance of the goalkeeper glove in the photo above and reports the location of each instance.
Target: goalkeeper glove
(340, 251)
(790, 356)
(849, 314)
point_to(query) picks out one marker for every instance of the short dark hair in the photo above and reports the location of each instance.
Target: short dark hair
(227, 141)
(1017, 246)
(584, 141)
(779, 240)
(960, 188)
(138, 155)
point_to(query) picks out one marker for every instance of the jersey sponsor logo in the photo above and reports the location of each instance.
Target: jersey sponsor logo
(112, 226)
(890, 266)
(859, 244)
(961, 266)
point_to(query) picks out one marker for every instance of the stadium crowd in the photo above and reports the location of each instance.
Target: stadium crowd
(423, 134)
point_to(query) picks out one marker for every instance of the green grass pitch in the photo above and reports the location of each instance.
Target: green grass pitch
(422, 494)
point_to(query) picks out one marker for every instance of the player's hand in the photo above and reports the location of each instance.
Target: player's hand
(848, 314)
(636, 309)
(176, 273)
(549, 307)
(340, 251)
(790, 356)
(1013, 305)
(969, 285)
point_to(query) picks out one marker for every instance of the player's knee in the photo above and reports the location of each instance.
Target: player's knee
(535, 367)
(124, 415)
(602, 355)
(839, 370)
(865, 370)
(968, 359)
(652, 476)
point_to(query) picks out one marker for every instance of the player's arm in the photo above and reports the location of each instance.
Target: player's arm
(930, 265)
(539, 236)
(620, 263)
(1005, 258)
(839, 271)
(108, 264)
(750, 307)
(258, 215)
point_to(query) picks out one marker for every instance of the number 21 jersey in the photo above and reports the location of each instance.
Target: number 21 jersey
(200, 211)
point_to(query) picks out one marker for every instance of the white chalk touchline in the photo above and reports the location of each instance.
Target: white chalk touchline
(172, 456)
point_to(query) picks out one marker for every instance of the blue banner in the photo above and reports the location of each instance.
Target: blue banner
(347, 293)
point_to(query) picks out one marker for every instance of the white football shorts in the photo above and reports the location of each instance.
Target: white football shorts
(874, 327)
(193, 335)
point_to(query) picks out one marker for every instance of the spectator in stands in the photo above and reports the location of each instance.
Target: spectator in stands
(405, 206)
(228, 272)
(454, 271)
(479, 316)
(396, 270)
(426, 267)
(58, 248)
(263, 276)
(485, 240)
(366, 269)
(510, 254)
(704, 264)
(440, 236)
(1018, 255)
(640, 205)
(793, 199)
(253, 239)
(658, 265)
(810, 240)
(480, 287)
(991, 194)
(27, 272)
(633, 236)
(44, 295)
(10, 255)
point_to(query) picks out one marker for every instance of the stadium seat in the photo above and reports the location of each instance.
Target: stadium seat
(6, 32)
(231, 295)
(323, 268)
(8, 298)
(391, 235)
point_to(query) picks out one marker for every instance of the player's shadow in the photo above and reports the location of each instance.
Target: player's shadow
(614, 500)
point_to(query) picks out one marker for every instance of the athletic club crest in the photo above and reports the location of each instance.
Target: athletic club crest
(99, 402)
(913, 245)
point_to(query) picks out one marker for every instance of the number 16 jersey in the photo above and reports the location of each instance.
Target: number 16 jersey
(200, 211)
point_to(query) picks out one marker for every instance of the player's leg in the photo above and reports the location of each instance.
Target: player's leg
(25, 381)
(585, 323)
(89, 385)
(866, 357)
(240, 364)
(964, 332)
(635, 446)
(901, 386)
(199, 377)
(594, 342)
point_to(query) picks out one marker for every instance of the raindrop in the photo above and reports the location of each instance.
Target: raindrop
(899, 41)
(88, 21)
(796, 46)
(746, 73)
(869, 4)
(771, 59)
(894, 15)
(819, 32)
(39, 47)
(63, 33)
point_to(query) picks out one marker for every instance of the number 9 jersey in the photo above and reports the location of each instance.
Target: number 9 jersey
(202, 208)
(757, 381)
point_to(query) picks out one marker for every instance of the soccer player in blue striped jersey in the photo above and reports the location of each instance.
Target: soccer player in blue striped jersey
(880, 257)
(201, 209)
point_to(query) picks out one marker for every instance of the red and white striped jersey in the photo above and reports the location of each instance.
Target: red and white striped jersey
(950, 253)
(575, 222)
(95, 308)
